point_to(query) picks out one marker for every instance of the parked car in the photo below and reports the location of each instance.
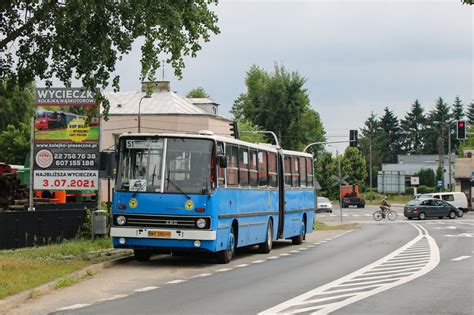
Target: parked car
(324, 205)
(457, 199)
(425, 208)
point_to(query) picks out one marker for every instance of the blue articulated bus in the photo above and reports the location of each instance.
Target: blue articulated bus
(201, 192)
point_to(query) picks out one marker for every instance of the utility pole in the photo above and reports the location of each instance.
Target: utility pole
(449, 156)
(370, 165)
(340, 182)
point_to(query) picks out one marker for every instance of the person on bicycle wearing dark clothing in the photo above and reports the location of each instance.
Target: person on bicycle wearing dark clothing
(384, 205)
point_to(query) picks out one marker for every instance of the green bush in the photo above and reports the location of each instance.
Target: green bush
(422, 189)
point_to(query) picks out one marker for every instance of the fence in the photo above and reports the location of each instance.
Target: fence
(25, 229)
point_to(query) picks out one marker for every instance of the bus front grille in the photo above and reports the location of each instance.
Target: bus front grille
(179, 222)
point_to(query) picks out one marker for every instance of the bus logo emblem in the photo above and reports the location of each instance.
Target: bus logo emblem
(189, 205)
(133, 203)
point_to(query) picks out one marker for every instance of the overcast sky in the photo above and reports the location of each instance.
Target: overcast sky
(357, 56)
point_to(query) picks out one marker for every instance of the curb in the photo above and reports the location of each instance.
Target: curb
(12, 301)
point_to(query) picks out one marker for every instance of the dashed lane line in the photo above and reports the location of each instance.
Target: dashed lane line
(145, 289)
(175, 281)
(460, 258)
(367, 281)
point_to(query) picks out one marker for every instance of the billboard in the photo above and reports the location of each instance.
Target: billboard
(66, 140)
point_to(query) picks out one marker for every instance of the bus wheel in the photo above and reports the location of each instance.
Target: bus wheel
(225, 256)
(298, 240)
(142, 254)
(266, 246)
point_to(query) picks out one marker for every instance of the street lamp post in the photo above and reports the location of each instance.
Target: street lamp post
(139, 111)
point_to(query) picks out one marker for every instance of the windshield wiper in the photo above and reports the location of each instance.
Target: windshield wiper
(152, 176)
(168, 179)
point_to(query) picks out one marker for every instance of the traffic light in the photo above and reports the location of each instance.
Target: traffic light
(461, 129)
(234, 130)
(353, 138)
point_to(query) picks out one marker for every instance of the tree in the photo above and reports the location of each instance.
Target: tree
(412, 127)
(427, 177)
(16, 104)
(15, 144)
(391, 140)
(470, 113)
(279, 102)
(198, 92)
(246, 129)
(371, 144)
(458, 109)
(325, 168)
(353, 164)
(436, 133)
(85, 39)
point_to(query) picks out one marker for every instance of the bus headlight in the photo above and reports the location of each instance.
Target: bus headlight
(121, 220)
(201, 223)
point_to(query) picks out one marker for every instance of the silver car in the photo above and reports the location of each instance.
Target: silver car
(324, 205)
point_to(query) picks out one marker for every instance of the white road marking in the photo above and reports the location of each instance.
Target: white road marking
(462, 235)
(145, 289)
(73, 307)
(113, 297)
(446, 228)
(284, 254)
(460, 258)
(273, 257)
(258, 261)
(224, 269)
(202, 275)
(294, 251)
(364, 284)
(175, 281)
(241, 266)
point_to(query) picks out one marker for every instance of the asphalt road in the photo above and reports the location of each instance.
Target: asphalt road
(386, 267)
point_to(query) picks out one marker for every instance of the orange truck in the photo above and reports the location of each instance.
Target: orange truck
(350, 196)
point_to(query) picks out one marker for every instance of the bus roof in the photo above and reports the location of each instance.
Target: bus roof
(261, 146)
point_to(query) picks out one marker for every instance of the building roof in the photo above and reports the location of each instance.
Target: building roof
(202, 100)
(162, 102)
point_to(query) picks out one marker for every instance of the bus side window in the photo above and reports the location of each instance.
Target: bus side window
(288, 171)
(295, 171)
(309, 171)
(244, 166)
(232, 166)
(253, 168)
(272, 170)
(262, 168)
(220, 170)
(302, 171)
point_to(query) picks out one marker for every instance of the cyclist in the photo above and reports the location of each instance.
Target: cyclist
(384, 206)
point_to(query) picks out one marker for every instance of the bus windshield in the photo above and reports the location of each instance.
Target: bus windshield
(187, 168)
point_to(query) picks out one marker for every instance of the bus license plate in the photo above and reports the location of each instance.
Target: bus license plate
(159, 233)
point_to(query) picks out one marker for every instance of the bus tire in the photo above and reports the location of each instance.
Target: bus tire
(266, 246)
(298, 240)
(142, 254)
(225, 256)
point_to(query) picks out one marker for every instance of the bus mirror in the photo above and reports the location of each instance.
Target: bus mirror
(222, 161)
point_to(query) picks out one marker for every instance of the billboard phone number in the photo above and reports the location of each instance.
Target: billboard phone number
(69, 183)
(74, 159)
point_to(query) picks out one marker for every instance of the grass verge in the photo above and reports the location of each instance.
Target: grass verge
(321, 226)
(27, 268)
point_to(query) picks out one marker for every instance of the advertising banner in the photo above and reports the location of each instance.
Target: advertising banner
(66, 140)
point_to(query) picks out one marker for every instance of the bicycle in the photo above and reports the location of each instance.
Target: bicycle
(379, 215)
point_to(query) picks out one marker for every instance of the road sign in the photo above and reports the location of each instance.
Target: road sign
(439, 184)
(338, 180)
(414, 180)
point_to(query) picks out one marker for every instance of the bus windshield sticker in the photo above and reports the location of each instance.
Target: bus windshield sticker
(137, 185)
(246, 159)
(144, 144)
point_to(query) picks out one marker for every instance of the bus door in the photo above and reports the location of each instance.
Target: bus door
(281, 194)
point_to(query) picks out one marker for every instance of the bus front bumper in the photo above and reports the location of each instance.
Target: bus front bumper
(169, 234)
